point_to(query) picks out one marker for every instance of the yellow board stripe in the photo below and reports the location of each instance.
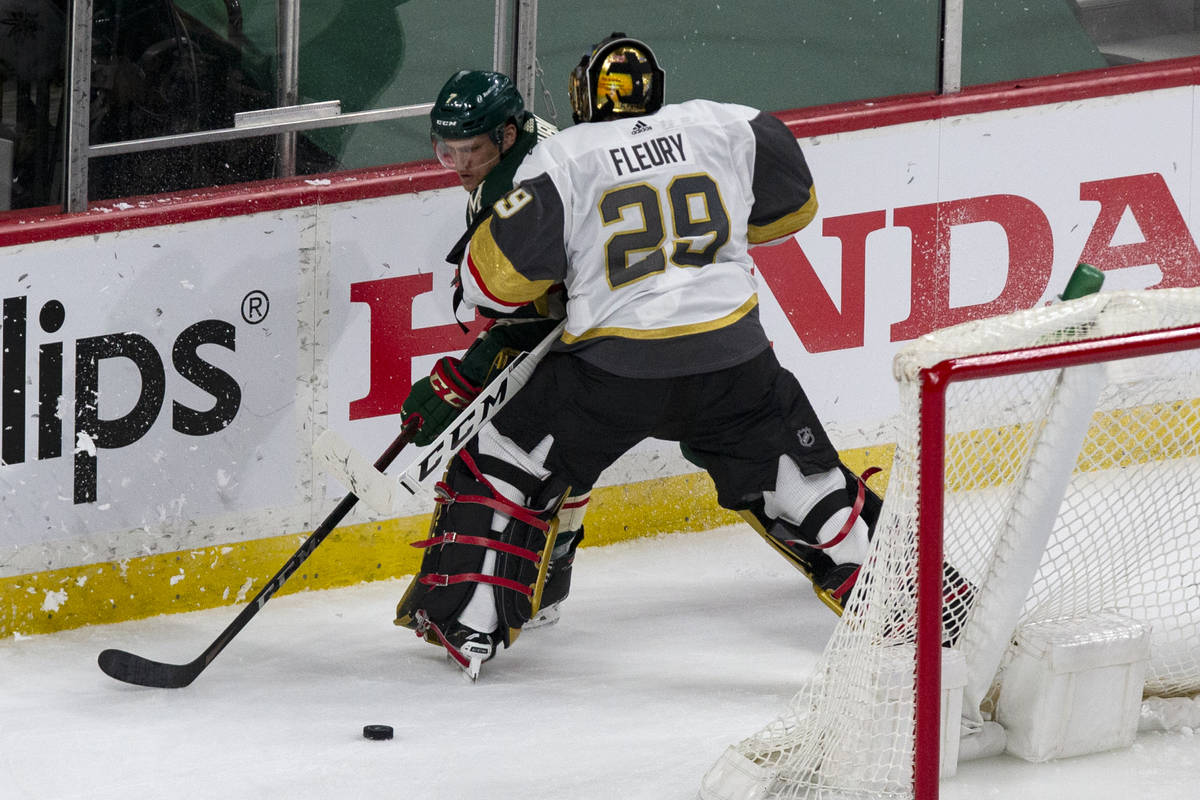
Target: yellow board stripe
(232, 574)
(1117, 438)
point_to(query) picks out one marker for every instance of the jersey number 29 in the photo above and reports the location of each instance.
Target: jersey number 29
(700, 223)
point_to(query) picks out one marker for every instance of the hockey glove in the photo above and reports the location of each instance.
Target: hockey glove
(434, 402)
(499, 344)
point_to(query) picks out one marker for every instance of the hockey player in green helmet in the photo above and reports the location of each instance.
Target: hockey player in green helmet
(663, 340)
(480, 128)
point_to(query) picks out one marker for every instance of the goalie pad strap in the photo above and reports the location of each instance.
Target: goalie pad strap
(841, 591)
(497, 502)
(436, 579)
(445, 497)
(450, 537)
(423, 626)
(827, 507)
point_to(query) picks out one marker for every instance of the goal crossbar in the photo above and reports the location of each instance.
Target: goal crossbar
(1040, 530)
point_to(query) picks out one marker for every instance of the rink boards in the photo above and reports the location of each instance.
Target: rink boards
(168, 361)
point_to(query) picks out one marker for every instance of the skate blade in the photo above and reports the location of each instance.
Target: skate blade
(469, 667)
(543, 619)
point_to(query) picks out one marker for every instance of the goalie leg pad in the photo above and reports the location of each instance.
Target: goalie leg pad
(822, 523)
(462, 542)
(813, 546)
(562, 558)
(515, 608)
(487, 558)
(445, 558)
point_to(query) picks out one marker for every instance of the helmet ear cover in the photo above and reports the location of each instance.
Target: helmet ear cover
(615, 64)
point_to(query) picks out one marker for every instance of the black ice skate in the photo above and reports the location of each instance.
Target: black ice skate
(466, 647)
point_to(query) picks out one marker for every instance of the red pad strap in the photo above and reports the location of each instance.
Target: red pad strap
(855, 510)
(425, 625)
(847, 585)
(497, 502)
(844, 531)
(450, 537)
(441, 579)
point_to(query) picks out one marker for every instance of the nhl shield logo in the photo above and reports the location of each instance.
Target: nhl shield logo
(805, 435)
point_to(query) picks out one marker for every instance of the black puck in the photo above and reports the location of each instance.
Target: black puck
(377, 732)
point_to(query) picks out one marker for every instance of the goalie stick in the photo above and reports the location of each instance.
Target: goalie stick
(380, 491)
(135, 669)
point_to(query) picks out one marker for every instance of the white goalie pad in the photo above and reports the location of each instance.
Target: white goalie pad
(796, 494)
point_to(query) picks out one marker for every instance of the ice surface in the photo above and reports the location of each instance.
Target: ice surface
(669, 650)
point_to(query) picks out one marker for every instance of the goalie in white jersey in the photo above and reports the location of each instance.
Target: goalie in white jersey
(645, 214)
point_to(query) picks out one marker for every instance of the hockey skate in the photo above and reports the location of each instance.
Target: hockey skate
(465, 647)
(545, 617)
(558, 579)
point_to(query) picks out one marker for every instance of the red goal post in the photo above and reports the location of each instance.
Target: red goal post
(934, 382)
(1049, 459)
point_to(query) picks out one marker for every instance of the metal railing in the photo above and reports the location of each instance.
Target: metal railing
(514, 53)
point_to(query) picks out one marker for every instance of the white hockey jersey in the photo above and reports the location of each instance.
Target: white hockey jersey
(647, 222)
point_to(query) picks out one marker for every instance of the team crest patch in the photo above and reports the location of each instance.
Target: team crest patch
(805, 435)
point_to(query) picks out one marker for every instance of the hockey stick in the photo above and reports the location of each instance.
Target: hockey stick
(379, 490)
(135, 669)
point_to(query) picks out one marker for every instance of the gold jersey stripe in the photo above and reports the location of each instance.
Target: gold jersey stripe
(501, 281)
(666, 333)
(785, 225)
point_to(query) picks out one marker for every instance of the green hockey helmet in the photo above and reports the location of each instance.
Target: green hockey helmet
(474, 102)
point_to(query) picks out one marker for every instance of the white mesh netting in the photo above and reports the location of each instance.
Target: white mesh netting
(1126, 539)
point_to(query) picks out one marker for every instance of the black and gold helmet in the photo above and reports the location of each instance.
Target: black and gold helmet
(620, 77)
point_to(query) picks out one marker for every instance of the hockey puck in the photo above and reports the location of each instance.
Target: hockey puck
(377, 732)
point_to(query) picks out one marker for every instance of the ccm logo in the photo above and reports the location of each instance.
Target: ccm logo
(91, 432)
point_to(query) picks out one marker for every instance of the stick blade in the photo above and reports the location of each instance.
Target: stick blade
(131, 668)
(351, 469)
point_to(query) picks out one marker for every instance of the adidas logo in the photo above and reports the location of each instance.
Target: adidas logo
(639, 127)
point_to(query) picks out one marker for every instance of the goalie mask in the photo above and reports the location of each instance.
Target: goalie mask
(620, 77)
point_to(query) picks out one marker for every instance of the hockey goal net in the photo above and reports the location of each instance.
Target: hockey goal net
(1050, 461)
